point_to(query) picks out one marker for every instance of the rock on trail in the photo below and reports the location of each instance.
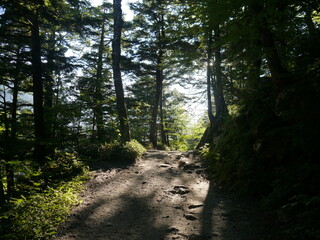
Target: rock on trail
(162, 196)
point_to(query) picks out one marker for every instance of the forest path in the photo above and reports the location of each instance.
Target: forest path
(163, 196)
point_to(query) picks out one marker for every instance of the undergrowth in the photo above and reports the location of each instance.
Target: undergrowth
(115, 151)
(272, 155)
(36, 211)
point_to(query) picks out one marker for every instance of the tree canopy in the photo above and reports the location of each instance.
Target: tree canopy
(79, 84)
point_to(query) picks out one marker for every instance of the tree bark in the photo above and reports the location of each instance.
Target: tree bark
(280, 76)
(159, 83)
(154, 116)
(48, 86)
(39, 124)
(99, 97)
(13, 134)
(209, 76)
(221, 106)
(2, 194)
(7, 151)
(116, 55)
(164, 138)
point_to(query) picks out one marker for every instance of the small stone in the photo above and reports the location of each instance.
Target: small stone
(109, 224)
(190, 217)
(180, 190)
(195, 206)
(163, 166)
(172, 229)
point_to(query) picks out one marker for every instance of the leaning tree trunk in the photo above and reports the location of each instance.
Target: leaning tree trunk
(116, 55)
(39, 123)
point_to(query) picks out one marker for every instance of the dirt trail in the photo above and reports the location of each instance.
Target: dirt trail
(163, 196)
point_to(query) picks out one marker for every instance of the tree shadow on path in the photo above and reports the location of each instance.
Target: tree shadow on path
(226, 216)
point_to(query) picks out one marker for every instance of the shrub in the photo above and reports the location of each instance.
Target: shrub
(63, 165)
(162, 146)
(132, 150)
(38, 216)
(116, 151)
(106, 150)
(90, 151)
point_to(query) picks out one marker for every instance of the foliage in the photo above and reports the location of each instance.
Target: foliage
(162, 146)
(194, 133)
(268, 147)
(115, 151)
(261, 155)
(89, 151)
(39, 215)
(63, 166)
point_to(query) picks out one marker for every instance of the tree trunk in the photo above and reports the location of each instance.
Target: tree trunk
(116, 55)
(164, 138)
(99, 97)
(159, 83)
(280, 76)
(7, 151)
(254, 61)
(221, 107)
(39, 124)
(48, 85)
(50, 117)
(154, 116)
(2, 194)
(209, 76)
(13, 135)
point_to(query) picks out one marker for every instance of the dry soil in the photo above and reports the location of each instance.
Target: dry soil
(164, 195)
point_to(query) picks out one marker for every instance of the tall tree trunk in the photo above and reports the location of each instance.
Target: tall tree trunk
(50, 116)
(209, 77)
(159, 82)
(116, 55)
(164, 138)
(281, 77)
(221, 107)
(93, 127)
(2, 194)
(13, 135)
(157, 102)
(39, 124)
(216, 83)
(255, 61)
(99, 97)
(7, 150)
(154, 115)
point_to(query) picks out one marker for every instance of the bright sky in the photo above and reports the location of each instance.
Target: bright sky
(127, 13)
(196, 109)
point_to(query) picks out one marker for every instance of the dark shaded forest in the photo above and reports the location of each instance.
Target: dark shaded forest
(78, 84)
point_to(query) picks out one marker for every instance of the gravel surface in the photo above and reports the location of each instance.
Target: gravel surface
(164, 195)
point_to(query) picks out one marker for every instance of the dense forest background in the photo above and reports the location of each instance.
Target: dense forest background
(63, 102)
